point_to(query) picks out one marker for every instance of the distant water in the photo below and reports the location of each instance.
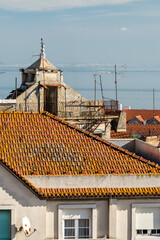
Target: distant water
(135, 87)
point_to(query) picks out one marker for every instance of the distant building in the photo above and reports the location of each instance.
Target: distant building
(43, 89)
(154, 120)
(142, 115)
(136, 120)
(143, 124)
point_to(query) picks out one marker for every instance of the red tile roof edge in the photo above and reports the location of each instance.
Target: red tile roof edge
(98, 193)
(83, 193)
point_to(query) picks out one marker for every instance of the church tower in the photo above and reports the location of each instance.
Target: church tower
(41, 70)
(42, 89)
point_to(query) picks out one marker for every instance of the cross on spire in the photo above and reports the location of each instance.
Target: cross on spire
(42, 54)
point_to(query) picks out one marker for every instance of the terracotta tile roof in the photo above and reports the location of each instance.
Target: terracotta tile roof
(75, 193)
(98, 192)
(43, 144)
(157, 118)
(119, 135)
(145, 113)
(139, 117)
(43, 63)
(145, 130)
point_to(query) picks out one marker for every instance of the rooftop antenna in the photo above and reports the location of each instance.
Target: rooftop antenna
(153, 100)
(43, 56)
(115, 72)
(115, 76)
(94, 88)
(100, 79)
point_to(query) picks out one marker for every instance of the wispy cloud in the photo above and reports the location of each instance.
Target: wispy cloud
(103, 13)
(124, 29)
(70, 18)
(50, 5)
(95, 14)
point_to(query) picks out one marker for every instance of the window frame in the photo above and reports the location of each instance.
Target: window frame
(149, 232)
(89, 227)
(64, 228)
(76, 228)
(134, 230)
(92, 220)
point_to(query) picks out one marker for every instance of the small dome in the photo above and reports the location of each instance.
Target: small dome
(43, 64)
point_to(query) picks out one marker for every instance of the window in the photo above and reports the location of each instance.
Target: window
(69, 229)
(78, 228)
(77, 221)
(145, 220)
(148, 221)
(150, 232)
(83, 228)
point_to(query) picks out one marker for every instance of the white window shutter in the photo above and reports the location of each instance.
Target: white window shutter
(147, 218)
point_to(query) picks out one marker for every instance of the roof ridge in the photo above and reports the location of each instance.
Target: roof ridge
(141, 110)
(142, 125)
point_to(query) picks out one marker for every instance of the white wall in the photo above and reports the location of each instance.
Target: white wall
(82, 181)
(139, 147)
(148, 151)
(125, 225)
(102, 215)
(44, 214)
(13, 194)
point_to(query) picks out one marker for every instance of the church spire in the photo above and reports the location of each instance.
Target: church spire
(42, 54)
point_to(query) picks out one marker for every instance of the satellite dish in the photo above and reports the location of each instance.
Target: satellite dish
(26, 226)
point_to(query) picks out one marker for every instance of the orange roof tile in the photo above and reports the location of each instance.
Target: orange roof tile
(145, 113)
(70, 193)
(75, 193)
(43, 63)
(119, 135)
(43, 144)
(157, 118)
(140, 118)
(144, 130)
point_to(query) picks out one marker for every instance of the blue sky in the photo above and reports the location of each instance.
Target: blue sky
(81, 31)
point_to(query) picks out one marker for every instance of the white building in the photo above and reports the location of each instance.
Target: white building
(71, 184)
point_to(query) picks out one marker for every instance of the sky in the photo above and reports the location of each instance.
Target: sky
(80, 31)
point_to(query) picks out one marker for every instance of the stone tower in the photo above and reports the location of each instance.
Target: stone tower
(41, 70)
(43, 89)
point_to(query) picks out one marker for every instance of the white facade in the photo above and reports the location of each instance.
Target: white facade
(43, 214)
(115, 218)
